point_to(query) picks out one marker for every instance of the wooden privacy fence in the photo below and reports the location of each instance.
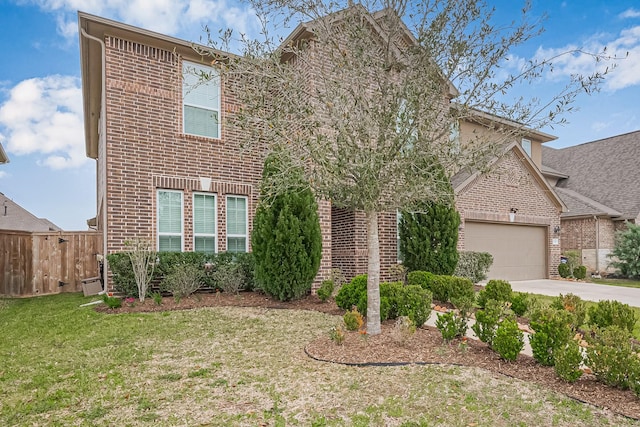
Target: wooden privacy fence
(45, 263)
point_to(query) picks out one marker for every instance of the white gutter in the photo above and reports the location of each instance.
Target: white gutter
(103, 153)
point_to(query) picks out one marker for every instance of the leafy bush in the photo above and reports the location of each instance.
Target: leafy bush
(519, 303)
(390, 298)
(350, 293)
(246, 268)
(473, 265)
(451, 326)
(625, 252)
(122, 274)
(353, 320)
(610, 354)
(568, 359)
(563, 270)
(487, 321)
(580, 272)
(111, 302)
(573, 304)
(429, 237)
(420, 278)
(552, 331)
(509, 340)
(461, 288)
(612, 313)
(286, 237)
(440, 287)
(415, 303)
(325, 290)
(497, 290)
(183, 280)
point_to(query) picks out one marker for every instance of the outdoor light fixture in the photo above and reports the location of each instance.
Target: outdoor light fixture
(556, 229)
(512, 214)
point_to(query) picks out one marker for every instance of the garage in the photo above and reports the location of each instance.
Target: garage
(519, 251)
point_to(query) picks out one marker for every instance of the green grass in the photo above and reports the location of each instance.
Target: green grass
(626, 283)
(65, 365)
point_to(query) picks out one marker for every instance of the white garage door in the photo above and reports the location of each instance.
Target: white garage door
(519, 251)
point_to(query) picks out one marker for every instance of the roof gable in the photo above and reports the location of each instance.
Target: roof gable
(15, 217)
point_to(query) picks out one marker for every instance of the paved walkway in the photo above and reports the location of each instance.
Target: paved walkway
(586, 291)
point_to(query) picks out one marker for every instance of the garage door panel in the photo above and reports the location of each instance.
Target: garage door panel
(519, 251)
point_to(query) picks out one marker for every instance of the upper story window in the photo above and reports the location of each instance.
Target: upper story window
(526, 146)
(200, 100)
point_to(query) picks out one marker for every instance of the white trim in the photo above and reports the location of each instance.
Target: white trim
(215, 220)
(526, 142)
(181, 234)
(246, 221)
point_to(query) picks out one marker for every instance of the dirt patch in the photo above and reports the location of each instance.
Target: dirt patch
(424, 347)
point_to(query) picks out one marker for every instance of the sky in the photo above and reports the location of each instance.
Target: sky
(41, 125)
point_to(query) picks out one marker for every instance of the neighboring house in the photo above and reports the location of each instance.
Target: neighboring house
(3, 156)
(599, 181)
(168, 168)
(15, 218)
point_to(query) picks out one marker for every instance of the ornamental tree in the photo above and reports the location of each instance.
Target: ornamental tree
(362, 97)
(626, 253)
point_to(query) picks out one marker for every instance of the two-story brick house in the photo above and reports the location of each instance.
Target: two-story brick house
(170, 169)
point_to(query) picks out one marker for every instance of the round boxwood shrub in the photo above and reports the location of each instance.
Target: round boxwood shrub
(564, 270)
(415, 303)
(420, 278)
(497, 290)
(509, 340)
(580, 272)
(351, 293)
(612, 313)
(568, 359)
(552, 331)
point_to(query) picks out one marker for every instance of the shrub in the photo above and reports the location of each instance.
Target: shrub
(610, 354)
(325, 290)
(563, 270)
(111, 302)
(286, 238)
(487, 321)
(625, 252)
(351, 293)
(461, 289)
(612, 313)
(246, 268)
(353, 320)
(451, 326)
(122, 274)
(572, 304)
(229, 278)
(157, 298)
(336, 334)
(390, 299)
(429, 237)
(519, 303)
(552, 331)
(568, 359)
(183, 280)
(415, 303)
(497, 290)
(509, 340)
(573, 260)
(580, 272)
(473, 265)
(398, 273)
(420, 278)
(440, 287)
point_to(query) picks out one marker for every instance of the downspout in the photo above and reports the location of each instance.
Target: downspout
(597, 245)
(103, 152)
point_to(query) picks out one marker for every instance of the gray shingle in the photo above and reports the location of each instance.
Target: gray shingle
(15, 217)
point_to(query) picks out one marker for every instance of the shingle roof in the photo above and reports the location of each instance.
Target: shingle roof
(580, 205)
(3, 156)
(15, 217)
(606, 171)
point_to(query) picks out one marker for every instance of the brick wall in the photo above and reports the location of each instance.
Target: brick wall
(508, 185)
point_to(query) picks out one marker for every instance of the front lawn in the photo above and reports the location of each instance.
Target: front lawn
(627, 283)
(64, 365)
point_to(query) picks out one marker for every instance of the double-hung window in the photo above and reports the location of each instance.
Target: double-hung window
(237, 224)
(170, 221)
(204, 223)
(201, 100)
(526, 146)
(398, 253)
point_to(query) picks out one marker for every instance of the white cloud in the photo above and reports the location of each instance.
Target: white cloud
(43, 117)
(630, 13)
(625, 47)
(183, 18)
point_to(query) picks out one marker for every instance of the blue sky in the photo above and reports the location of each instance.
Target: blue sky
(40, 99)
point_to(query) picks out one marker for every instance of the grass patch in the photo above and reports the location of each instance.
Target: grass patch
(65, 365)
(626, 283)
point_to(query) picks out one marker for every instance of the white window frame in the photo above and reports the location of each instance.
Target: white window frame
(398, 254)
(158, 233)
(188, 68)
(526, 142)
(215, 221)
(246, 221)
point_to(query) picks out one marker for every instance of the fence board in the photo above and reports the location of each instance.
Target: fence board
(36, 263)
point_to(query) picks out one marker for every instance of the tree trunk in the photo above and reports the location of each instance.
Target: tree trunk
(373, 274)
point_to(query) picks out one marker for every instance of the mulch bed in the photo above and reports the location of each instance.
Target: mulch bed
(425, 347)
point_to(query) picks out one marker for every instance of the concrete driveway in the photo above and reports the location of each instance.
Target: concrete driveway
(586, 291)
